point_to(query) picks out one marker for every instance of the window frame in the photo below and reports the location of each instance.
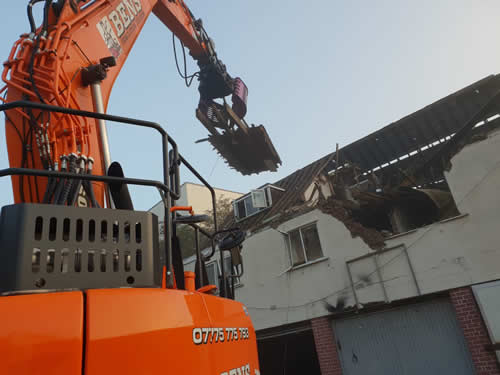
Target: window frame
(266, 189)
(237, 280)
(249, 197)
(217, 271)
(306, 258)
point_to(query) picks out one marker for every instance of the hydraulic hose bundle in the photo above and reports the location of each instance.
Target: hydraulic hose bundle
(66, 191)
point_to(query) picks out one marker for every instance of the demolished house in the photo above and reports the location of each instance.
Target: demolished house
(397, 229)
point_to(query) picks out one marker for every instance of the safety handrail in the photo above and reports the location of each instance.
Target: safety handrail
(122, 120)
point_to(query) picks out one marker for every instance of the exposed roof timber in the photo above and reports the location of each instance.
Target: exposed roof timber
(426, 126)
(451, 146)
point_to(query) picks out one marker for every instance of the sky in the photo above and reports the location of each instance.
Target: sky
(319, 73)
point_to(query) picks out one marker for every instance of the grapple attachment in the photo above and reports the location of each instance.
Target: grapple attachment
(247, 149)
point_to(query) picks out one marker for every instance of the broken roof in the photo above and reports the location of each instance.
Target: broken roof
(432, 124)
(412, 139)
(294, 186)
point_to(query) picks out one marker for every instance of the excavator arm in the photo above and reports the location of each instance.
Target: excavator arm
(73, 59)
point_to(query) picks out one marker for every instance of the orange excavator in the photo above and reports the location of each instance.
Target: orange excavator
(86, 286)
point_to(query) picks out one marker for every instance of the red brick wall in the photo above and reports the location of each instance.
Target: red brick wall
(326, 348)
(476, 335)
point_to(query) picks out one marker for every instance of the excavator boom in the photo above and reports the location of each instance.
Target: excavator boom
(86, 285)
(73, 59)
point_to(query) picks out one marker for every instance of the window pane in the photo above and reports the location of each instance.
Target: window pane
(311, 242)
(250, 209)
(258, 198)
(213, 274)
(241, 209)
(297, 254)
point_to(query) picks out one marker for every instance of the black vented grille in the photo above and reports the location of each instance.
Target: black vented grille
(57, 248)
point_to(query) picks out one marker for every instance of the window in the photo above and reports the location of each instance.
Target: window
(249, 205)
(256, 201)
(230, 270)
(213, 273)
(304, 245)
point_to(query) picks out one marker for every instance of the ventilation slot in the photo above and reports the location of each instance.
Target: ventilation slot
(138, 260)
(116, 260)
(116, 230)
(52, 229)
(91, 230)
(104, 231)
(66, 229)
(79, 230)
(78, 260)
(64, 261)
(90, 264)
(103, 260)
(128, 259)
(126, 231)
(51, 259)
(35, 261)
(138, 233)
(38, 228)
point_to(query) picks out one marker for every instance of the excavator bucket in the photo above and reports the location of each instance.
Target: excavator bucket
(247, 149)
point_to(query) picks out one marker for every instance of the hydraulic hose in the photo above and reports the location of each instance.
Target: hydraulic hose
(68, 183)
(50, 190)
(62, 181)
(88, 187)
(89, 190)
(75, 189)
(45, 27)
(30, 15)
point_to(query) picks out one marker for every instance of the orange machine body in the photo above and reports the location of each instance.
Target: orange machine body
(74, 41)
(103, 331)
(126, 331)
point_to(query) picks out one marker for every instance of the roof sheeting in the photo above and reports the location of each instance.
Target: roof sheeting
(424, 127)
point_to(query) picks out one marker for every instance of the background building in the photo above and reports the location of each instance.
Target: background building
(197, 196)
